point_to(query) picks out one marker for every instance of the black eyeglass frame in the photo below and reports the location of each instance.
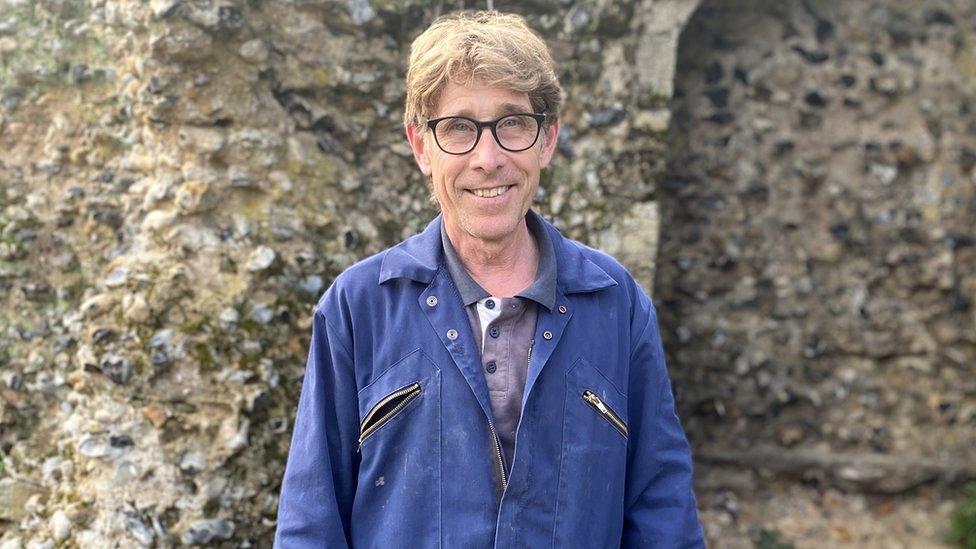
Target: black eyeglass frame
(540, 118)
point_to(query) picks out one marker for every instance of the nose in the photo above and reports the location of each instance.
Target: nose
(487, 154)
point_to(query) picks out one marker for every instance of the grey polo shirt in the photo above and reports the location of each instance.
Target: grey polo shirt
(504, 328)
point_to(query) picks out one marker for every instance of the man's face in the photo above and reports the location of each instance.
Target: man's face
(487, 169)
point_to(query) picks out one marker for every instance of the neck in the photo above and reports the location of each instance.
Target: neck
(502, 267)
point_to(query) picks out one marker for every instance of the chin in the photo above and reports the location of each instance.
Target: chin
(492, 227)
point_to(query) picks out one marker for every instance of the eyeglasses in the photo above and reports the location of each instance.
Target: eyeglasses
(460, 135)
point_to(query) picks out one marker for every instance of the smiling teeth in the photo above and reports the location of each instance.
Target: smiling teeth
(489, 193)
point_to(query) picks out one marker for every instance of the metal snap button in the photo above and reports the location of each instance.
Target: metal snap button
(491, 366)
(432, 301)
(562, 309)
(547, 335)
(452, 334)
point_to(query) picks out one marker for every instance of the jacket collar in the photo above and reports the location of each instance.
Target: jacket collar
(419, 257)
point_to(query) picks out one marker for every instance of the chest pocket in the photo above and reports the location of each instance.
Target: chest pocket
(399, 450)
(411, 385)
(593, 461)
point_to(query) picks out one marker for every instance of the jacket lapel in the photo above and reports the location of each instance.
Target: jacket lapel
(450, 323)
(421, 258)
(575, 274)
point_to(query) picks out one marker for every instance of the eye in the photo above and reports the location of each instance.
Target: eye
(458, 125)
(512, 122)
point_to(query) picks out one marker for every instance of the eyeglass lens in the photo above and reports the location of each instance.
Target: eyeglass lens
(458, 135)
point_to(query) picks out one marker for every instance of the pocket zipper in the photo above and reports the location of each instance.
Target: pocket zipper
(379, 414)
(604, 410)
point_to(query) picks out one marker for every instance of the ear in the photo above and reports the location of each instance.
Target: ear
(419, 147)
(549, 144)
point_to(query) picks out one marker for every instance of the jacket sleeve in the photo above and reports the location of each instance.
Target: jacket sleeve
(320, 476)
(659, 502)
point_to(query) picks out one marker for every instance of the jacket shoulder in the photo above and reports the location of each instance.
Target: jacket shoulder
(628, 290)
(605, 261)
(609, 264)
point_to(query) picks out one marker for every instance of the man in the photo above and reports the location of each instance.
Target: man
(487, 382)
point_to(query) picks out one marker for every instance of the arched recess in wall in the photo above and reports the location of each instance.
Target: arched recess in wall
(815, 276)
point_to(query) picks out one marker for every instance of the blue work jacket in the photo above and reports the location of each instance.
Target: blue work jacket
(393, 443)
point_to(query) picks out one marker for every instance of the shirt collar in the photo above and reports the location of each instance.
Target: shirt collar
(543, 288)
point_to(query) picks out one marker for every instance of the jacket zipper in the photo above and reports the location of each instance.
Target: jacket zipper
(498, 456)
(369, 425)
(598, 405)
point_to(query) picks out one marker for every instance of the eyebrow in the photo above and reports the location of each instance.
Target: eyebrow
(504, 109)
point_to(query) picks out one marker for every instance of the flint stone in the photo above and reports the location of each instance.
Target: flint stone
(163, 8)
(161, 339)
(311, 284)
(361, 11)
(254, 51)
(117, 368)
(97, 447)
(261, 258)
(60, 526)
(262, 314)
(229, 318)
(137, 528)
(192, 463)
(610, 116)
(117, 277)
(205, 531)
(577, 18)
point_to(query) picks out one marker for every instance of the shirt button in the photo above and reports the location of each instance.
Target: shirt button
(493, 331)
(432, 301)
(547, 335)
(452, 334)
(562, 309)
(491, 367)
(490, 304)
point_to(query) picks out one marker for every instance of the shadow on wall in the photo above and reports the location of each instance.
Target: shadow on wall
(817, 267)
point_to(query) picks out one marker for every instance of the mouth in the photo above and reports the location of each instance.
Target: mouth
(490, 193)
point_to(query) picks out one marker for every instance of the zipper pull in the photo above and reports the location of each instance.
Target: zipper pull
(595, 400)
